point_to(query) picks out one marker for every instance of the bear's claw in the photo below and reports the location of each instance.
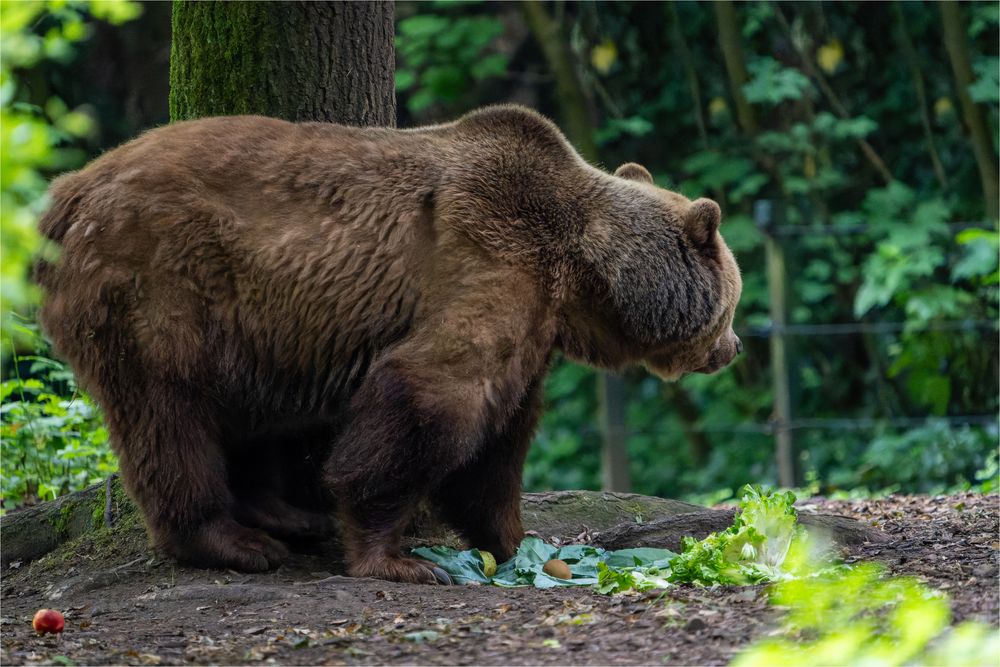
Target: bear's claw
(442, 576)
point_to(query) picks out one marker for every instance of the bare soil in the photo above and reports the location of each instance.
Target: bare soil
(126, 606)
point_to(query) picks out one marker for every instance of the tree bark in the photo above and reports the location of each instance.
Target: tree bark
(300, 61)
(956, 42)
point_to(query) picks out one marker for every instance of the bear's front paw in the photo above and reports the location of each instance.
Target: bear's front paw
(397, 568)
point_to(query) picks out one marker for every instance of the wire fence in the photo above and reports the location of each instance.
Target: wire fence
(817, 423)
(849, 328)
(785, 231)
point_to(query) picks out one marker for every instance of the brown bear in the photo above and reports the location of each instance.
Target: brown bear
(387, 300)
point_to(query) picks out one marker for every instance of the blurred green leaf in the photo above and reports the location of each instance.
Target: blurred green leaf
(771, 83)
(986, 87)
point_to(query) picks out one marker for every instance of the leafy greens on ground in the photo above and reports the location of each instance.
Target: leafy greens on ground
(586, 564)
(753, 550)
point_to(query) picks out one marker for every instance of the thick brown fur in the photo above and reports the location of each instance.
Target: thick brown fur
(262, 308)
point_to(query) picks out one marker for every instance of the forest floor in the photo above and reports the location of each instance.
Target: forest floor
(128, 607)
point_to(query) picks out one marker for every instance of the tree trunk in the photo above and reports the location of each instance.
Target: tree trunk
(732, 52)
(573, 100)
(956, 41)
(300, 61)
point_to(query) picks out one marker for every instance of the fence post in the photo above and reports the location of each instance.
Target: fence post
(614, 435)
(784, 448)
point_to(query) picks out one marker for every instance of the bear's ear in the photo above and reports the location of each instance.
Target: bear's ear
(701, 221)
(634, 172)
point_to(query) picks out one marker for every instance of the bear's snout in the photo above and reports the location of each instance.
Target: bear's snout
(722, 354)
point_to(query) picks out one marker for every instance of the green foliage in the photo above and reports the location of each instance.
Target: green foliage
(566, 452)
(442, 56)
(638, 577)
(909, 248)
(37, 140)
(53, 439)
(922, 457)
(770, 83)
(978, 264)
(616, 128)
(856, 616)
(986, 87)
(751, 551)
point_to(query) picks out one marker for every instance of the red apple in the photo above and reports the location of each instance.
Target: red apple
(48, 620)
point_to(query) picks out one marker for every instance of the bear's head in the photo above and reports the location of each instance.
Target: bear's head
(654, 281)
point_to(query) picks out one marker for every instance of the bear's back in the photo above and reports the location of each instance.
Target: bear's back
(243, 250)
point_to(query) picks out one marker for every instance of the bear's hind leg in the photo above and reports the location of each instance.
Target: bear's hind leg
(168, 444)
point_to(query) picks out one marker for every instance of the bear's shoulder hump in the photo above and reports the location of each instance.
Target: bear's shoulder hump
(514, 120)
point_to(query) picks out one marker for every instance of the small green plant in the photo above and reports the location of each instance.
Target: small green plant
(857, 617)
(53, 439)
(753, 550)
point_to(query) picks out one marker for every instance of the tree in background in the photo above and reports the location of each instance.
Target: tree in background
(310, 61)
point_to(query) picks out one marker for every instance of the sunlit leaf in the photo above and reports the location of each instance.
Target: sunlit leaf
(603, 56)
(830, 55)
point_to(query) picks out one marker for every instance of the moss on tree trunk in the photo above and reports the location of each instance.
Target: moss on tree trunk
(300, 61)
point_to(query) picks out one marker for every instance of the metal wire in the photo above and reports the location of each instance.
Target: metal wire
(820, 423)
(842, 328)
(851, 230)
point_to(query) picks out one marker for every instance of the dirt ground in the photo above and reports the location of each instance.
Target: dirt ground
(128, 607)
